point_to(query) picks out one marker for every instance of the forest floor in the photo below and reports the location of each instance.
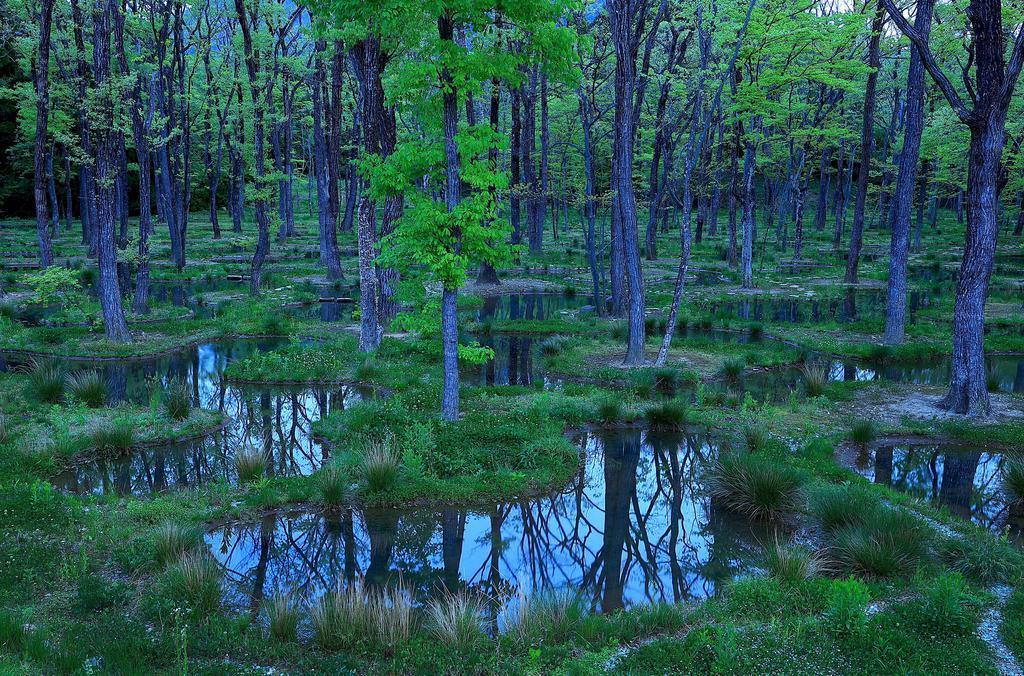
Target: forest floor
(240, 490)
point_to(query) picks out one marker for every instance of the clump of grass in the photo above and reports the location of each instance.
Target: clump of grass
(282, 617)
(553, 345)
(5, 431)
(666, 380)
(88, 387)
(844, 506)
(46, 381)
(194, 581)
(815, 379)
(340, 618)
(732, 369)
(986, 560)
(609, 410)
(177, 400)
(1013, 480)
(333, 485)
(863, 432)
(669, 414)
(171, 542)
(366, 371)
(115, 437)
(379, 466)
(546, 617)
(754, 486)
(791, 563)
(390, 615)
(888, 542)
(251, 464)
(755, 438)
(456, 621)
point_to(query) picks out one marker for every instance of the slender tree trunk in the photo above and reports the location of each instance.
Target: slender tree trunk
(747, 252)
(329, 254)
(42, 79)
(452, 191)
(903, 195)
(262, 186)
(625, 18)
(114, 324)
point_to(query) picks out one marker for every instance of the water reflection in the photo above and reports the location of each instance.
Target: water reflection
(633, 527)
(965, 480)
(527, 305)
(275, 419)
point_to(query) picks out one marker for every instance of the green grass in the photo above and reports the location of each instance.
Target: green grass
(87, 387)
(755, 487)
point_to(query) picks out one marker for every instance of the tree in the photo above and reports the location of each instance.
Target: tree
(42, 86)
(991, 88)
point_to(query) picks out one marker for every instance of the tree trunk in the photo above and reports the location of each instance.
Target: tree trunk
(106, 148)
(903, 195)
(626, 16)
(748, 196)
(452, 193)
(40, 182)
(866, 146)
(329, 254)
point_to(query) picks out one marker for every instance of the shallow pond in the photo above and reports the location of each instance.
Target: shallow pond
(848, 307)
(274, 419)
(635, 526)
(528, 305)
(966, 480)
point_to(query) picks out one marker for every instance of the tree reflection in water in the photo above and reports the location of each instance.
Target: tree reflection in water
(276, 419)
(635, 526)
(965, 480)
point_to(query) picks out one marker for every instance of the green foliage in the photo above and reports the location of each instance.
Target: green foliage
(55, 286)
(334, 486)
(815, 379)
(862, 432)
(846, 614)
(379, 465)
(1013, 480)
(792, 563)
(550, 616)
(193, 584)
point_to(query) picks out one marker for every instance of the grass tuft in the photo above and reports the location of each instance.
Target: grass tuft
(379, 465)
(340, 618)
(88, 387)
(791, 563)
(732, 369)
(456, 621)
(333, 485)
(171, 542)
(863, 432)
(251, 464)
(46, 381)
(177, 400)
(117, 436)
(550, 617)
(282, 617)
(194, 581)
(889, 542)
(815, 379)
(1013, 480)
(758, 488)
(670, 414)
